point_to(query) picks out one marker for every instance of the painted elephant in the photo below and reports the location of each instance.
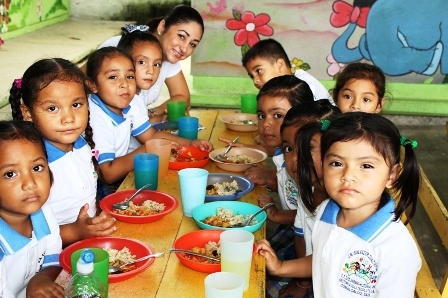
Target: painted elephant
(401, 36)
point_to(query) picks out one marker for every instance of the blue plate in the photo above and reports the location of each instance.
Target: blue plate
(209, 209)
(244, 186)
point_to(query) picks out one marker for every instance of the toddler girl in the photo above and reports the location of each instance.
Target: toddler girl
(358, 229)
(54, 97)
(29, 233)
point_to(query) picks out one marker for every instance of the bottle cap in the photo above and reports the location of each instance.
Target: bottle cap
(85, 262)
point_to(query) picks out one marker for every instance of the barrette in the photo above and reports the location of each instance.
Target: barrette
(18, 83)
(129, 28)
(405, 141)
(325, 124)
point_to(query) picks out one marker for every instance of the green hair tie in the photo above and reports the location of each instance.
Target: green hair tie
(325, 124)
(405, 141)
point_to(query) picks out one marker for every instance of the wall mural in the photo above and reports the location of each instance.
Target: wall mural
(405, 38)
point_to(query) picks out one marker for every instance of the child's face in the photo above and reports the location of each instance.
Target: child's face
(355, 176)
(25, 178)
(261, 70)
(115, 83)
(271, 111)
(290, 151)
(60, 113)
(147, 60)
(359, 96)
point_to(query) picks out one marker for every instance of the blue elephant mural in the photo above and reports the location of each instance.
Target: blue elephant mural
(401, 36)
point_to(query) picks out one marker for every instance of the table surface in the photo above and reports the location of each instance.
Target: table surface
(167, 277)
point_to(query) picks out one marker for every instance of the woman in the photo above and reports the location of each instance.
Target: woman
(179, 33)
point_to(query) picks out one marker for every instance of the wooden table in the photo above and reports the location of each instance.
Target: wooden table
(167, 277)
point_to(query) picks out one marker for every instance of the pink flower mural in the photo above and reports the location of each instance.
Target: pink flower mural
(249, 27)
(335, 67)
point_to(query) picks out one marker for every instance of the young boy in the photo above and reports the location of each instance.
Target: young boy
(267, 59)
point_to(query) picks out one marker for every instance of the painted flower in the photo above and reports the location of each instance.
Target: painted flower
(249, 27)
(297, 64)
(335, 67)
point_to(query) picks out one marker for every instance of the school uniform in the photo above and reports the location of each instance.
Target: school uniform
(377, 258)
(5, 290)
(23, 257)
(74, 183)
(303, 225)
(319, 91)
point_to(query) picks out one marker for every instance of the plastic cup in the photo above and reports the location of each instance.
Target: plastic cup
(193, 183)
(237, 241)
(175, 110)
(188, 127)
(249, 103)
(146, 170)
(223, 285)
(162, 148)
(100, 265)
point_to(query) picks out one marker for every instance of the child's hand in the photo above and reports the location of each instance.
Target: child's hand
(230, 143)
(272, 262)
(42, 285)
(292, 290)
(202, 144)
(101, 225)
(262, 176)
(265, 199)
(175, 145)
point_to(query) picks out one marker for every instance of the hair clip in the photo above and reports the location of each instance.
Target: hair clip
(18, 83)
(405, 141)
(129, 28)
(95, 153)
(325, 124)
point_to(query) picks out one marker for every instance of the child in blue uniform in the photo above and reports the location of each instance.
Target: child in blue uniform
(29, 232)
(54, 96)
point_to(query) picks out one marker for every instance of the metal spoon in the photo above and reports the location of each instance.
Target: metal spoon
(189, 252)
(247, 222)
(115, 269)
(249, 122)
(125, 205)
(223, 157)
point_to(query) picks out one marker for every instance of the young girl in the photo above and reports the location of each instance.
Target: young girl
(358, 229)
(29, 232)
(117, 113)
(360, 87)
(54, 97)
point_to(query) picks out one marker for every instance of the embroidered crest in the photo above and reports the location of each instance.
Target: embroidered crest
(291, 192)
(359, 273)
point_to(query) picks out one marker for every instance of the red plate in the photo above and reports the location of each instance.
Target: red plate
(157, 196)
(137, 248)
(199, 238)
(200, 156)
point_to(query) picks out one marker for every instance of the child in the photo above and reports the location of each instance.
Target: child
(54, 96)
(117, 114)
(301, 131)
(29, 233)
(267, 59)
(358, 229)
(360, 87)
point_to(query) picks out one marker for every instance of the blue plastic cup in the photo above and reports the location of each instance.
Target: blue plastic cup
(146, 170)
(188, 127)
(193, 183)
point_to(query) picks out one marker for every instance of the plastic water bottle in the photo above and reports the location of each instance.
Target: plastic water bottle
(85, 284)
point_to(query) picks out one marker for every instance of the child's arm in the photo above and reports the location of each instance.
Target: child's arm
(238, 144)
(283, 217)
(262, 176)
(42, 284)
(86, 227)
(118, 168)
(151, 133)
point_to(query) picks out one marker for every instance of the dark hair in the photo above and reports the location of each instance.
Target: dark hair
(361, 71)
(288, 86)
(97, 58)
(38, 76)
(267, 49)
(179, 14)
(129, 39)
(307, 117)
(384, 137)
(22, 130)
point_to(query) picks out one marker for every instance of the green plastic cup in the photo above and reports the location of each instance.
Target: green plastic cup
(175, 110)
(249, 103)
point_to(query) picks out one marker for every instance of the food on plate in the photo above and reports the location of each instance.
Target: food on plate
(119, 257)
(148, 207)
(239, 159)
(222, 188)
(176, 157)
(238, 121)
(211, 249)
(225, 218)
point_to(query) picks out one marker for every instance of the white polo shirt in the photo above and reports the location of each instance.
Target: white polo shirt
(319, 91)
(74, 181)
(287, 188)
(112, 132)
(377, 258)
(23, 257)
(5, 290)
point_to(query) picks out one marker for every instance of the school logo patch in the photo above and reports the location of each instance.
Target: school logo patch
(359, 273)
(291, 192)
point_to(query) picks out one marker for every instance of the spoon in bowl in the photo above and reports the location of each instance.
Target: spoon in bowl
(223, 157)
(125, 205)
(247, 222)
(189, 252)
(117, 269)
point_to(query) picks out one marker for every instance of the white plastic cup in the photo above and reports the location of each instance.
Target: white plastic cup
(193, 184)
(223, 285)
(236, 253)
